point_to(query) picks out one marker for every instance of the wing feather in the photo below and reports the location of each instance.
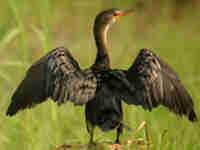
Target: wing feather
(56, 75)
(156, 83)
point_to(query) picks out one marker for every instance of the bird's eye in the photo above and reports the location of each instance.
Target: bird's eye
(116, 14)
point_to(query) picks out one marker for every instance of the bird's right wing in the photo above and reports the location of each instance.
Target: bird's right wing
(56, 75)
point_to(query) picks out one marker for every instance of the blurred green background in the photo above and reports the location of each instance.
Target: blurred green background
(28, 29)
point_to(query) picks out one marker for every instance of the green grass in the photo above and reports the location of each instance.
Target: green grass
(28, 29)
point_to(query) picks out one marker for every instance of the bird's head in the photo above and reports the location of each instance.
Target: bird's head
(110, 16)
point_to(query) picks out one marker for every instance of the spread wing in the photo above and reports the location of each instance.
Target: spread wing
(56, 75)
(151, 82)
(155, 83)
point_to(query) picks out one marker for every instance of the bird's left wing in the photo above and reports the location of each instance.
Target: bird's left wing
(56, 75)
(155, 83)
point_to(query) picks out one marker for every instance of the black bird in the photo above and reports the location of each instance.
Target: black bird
(149, 82)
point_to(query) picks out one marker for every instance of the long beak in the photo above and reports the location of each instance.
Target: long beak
(127, 12)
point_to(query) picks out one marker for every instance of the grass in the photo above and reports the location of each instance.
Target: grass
(29, 29)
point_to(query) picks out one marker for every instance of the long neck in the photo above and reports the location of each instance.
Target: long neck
(102, 59)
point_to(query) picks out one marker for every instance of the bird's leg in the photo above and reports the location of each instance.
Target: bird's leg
(90, 129)
(119, 132)
(91, 132)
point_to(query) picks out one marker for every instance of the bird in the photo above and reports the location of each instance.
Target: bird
(149, 82)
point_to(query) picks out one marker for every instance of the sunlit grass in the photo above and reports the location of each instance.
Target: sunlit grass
(39, 26)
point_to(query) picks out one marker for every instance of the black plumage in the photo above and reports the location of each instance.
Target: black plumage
(149, 82)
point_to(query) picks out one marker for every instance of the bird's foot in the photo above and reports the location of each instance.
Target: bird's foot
(92, 143)
(117, 141)
(115, 147)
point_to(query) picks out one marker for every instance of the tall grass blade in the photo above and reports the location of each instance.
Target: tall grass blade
(11, 35)
(6, 77)
(19, 64)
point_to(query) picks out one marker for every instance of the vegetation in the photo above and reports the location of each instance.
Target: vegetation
(28, 29)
